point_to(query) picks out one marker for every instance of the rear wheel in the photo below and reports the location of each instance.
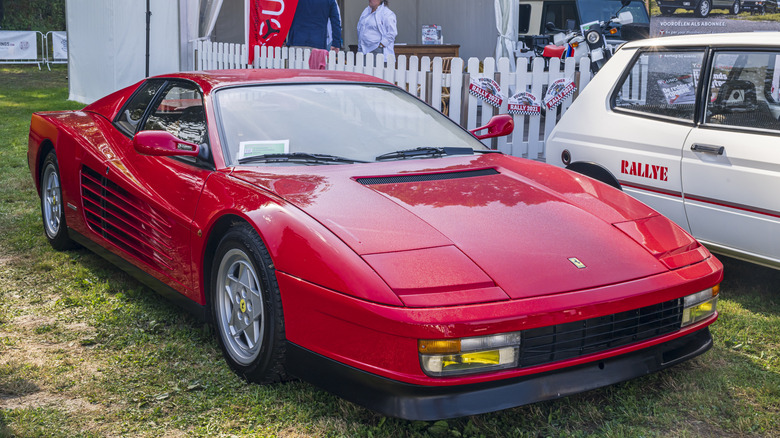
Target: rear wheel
(52, 208)
(247, 308)
(703, 8)
(735, 8)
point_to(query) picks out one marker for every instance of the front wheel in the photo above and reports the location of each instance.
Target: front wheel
(735, 8)
(703, 8)
(52, 208)
(247, 308)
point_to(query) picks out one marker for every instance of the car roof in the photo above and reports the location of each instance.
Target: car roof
(212, 79)
(754, 39)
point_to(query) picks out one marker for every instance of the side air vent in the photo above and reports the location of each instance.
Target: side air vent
(124, 220)
(398, 179)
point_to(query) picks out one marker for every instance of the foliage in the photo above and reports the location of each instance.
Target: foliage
(39, 15)
(86, 351)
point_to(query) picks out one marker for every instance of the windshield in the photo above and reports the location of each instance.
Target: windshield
(354, 122)
(603, 10)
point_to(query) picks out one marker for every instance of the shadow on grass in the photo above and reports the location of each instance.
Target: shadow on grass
(752, 286)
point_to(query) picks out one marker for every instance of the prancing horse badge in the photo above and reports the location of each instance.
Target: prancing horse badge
(574, 261)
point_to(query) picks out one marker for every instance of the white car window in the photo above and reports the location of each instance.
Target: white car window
(743, 90)
(661, 83)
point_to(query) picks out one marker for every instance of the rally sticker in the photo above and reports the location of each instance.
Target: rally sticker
(557, 91)
(486, 89)
(524, 103)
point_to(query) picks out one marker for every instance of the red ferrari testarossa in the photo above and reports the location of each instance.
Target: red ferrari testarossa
(335, 228)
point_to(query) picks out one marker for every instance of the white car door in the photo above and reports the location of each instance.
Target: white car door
(731, 162)
(640, 132)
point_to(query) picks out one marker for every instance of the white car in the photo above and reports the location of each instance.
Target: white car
(688, 125)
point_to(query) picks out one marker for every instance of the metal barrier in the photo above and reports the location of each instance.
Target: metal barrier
(59, 48)
(22, 47)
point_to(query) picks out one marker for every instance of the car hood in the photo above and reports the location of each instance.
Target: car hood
(489, 222)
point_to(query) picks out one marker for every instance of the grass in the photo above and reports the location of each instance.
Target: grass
(86, 351)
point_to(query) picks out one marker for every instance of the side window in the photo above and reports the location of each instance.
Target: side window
(558, 13)
(181, 113)
(743, 90)
(524, 23)
(662, 83)
(131, 114)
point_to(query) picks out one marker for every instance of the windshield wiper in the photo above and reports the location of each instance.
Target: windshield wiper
(427, 151)
(298, 157)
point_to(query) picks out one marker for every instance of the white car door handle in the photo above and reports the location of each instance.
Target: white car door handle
(718, 150)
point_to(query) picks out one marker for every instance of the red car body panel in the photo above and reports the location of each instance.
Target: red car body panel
(365, 270)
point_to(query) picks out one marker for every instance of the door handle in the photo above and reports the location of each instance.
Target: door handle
(717, 150)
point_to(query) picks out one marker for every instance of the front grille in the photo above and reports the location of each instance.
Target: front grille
(125, 220)
(574, 339)
(397, 179)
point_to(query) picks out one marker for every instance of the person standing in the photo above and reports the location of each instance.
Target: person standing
(310, 25)
(377, 29)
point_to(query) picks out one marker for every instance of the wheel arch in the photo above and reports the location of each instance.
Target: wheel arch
(213, 237)
(44, 149)
(595, 171)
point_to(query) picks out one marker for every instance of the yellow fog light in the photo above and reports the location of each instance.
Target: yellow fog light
(700, 305)
(474, 355)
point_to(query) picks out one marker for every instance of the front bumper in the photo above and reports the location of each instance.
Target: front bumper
(419, 402)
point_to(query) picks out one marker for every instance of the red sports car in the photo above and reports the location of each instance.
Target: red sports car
(335, 228)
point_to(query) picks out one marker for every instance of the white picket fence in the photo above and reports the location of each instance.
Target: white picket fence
(441, 83)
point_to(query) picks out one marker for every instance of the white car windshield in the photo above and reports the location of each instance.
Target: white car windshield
(356, 122)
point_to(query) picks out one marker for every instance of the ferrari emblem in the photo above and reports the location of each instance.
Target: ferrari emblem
(574, 261)
(242, 304)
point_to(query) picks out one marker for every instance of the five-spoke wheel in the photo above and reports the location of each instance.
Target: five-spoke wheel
(52, 207)
(246, 306)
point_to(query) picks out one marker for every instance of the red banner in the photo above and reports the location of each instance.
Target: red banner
(269, 23)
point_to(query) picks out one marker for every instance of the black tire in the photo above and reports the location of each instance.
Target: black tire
(667, 12)
(703, 8)
(52, 208)
(246, 307)
(735, 8)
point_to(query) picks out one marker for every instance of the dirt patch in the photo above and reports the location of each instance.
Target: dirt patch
(44, 399)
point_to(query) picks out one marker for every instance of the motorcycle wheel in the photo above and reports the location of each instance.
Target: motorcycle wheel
(735, 8)
(667, 12)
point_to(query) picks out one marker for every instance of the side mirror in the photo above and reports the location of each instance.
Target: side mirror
(550, 26)
(625, 17)
(163, 144)
(625, 2)
(498, 126)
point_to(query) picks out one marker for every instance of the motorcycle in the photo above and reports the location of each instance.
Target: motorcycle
(589, 40)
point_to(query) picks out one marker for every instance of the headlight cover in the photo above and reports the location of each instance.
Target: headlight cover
(593, 37)
(700, 305)
(457, 357)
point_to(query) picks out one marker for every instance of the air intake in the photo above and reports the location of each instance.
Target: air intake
(399, 179)
(125, 220)
(574, 339)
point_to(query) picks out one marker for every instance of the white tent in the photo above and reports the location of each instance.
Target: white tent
(107, 41)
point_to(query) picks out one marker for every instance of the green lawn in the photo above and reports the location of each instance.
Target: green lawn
(87, 351)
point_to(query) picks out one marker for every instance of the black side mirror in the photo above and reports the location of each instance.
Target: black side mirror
(625, 3)
(550, 26)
